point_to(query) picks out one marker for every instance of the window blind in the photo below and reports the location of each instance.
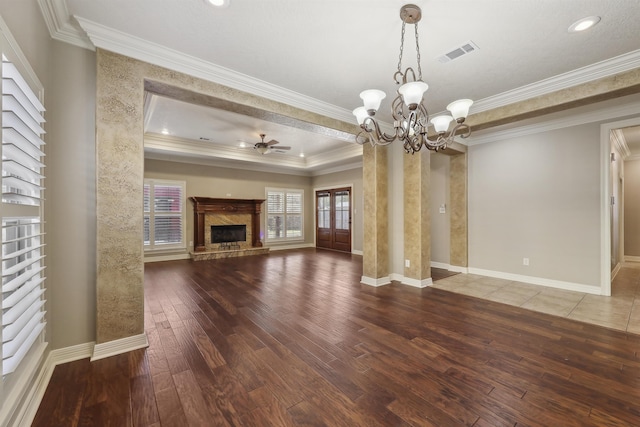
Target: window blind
(23, 315)
(284, 214)
(164, 221)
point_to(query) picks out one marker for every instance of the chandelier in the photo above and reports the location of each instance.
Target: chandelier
(410, 116)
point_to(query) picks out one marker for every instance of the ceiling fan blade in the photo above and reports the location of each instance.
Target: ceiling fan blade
(272, 142)
(282, 148)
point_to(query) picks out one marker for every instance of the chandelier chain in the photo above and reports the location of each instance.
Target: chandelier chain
(418, 52)
(401, 49)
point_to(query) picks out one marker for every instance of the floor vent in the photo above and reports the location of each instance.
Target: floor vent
(468, 47)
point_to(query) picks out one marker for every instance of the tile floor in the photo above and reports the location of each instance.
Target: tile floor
(619, 311)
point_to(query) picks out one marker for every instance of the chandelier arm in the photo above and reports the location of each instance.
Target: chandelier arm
(440, 143)
(423, 118)
(376, 135)
(362, 138)
(397, 107)
(461, 128)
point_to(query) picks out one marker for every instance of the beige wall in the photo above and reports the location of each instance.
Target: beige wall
(632, 208)
(440, 224)
(348, 177)
(537, 196)
(68, 76)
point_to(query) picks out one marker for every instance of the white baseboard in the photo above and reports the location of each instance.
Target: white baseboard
(410, 281)
(629, 258)
(292, 246)
(159, 258)
(616, 270)
(370, 281)
(436, 264)
(568, 286)
(356, 252)
(124, 345)
(417, 283)
(458, 269)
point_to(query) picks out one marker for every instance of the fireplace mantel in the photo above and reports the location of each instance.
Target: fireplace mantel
(208, 205)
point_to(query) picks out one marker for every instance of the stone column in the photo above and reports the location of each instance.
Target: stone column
(375, 259)
(119, 178)
(459, 232)
(417, 219)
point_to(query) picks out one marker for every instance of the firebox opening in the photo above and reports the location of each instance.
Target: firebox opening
(228, 233)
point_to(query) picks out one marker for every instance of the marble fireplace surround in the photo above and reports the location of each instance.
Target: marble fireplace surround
(211, 211)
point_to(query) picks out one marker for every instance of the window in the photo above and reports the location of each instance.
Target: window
(164, 214)
(164, 219)
(23, 314)
(285, 218)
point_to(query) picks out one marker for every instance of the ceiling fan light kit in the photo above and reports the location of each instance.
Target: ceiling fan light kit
(410, 116)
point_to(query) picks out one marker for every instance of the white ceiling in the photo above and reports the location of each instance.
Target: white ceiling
(322, 53)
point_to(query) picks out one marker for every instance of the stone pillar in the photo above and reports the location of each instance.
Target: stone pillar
(375, 259)
(417, 219)
(119, 178)
(459, 232)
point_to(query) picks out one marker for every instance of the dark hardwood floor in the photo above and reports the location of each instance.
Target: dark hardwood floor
(293, 339)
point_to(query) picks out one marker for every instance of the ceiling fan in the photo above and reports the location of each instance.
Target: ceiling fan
(265, 147)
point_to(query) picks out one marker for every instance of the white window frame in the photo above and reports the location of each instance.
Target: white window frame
(268, 214)
(152, 214)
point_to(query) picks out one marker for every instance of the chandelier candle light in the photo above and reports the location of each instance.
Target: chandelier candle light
(410, 116)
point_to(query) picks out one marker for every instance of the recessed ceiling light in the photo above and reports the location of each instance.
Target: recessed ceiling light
(242, 145)
(584, 24)
(301, 154)
(218, 3)
(165, 131)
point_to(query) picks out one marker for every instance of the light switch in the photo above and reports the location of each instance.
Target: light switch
(443, 208)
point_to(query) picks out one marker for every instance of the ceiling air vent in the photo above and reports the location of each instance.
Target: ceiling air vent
(467, 47)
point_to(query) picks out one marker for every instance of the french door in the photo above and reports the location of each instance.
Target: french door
(333, 219)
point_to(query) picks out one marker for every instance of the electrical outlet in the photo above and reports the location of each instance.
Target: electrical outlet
(407, 263)
(525, 261)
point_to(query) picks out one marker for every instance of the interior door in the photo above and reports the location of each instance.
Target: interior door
(333, 219)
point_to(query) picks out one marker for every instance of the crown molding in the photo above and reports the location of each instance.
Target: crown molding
(549, 125)
(336, 169)
(162, 147)
(348, 151)
(220, 163)
(620, 143)
(606, 68)
(189, 147)
(61, 26)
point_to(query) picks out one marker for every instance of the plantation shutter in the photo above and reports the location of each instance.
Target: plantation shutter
(168, 214)
(294, 214)
(163, 213)
(22, 247)
(284, 214)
